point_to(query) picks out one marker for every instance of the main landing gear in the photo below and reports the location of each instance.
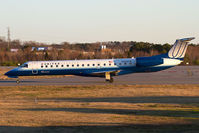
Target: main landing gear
(108, 77)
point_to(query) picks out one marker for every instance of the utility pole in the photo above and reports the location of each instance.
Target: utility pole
(9, 40)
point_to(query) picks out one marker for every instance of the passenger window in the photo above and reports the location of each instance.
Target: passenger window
(88, 64)
(98, 64)
(77, 65)
(104, 64)
(67, 65)
(51, 65)
(72, 65)
(42, 66)
(83, 65)
(109, 64)
(62, 65)
(56, 65)
(46, 66)
(93, 64)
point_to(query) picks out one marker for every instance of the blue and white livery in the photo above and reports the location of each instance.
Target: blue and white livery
(105, 67)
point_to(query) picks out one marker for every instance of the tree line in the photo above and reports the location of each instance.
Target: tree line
(68, 51)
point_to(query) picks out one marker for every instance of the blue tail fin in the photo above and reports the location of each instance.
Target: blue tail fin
(179, 48)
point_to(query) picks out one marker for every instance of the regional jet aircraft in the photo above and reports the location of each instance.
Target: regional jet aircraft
(106, 68)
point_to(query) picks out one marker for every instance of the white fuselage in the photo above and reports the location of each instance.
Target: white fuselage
(81, 64)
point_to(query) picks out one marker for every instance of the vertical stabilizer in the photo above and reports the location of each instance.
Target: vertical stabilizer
(179, 48)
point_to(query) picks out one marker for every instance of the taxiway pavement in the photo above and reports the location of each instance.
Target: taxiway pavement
(175, 75)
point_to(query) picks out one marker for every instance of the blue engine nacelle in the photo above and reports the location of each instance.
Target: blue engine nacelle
(148, 61)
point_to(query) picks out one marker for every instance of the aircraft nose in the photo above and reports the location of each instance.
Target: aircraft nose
(11, 73)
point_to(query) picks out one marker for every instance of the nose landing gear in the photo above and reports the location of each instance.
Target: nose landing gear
(17, 81)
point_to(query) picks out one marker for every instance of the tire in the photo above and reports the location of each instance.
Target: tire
(17, 81)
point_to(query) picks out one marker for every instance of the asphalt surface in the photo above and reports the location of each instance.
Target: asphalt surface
(175, 75)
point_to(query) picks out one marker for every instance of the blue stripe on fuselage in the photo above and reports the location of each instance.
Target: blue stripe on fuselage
(83, 71)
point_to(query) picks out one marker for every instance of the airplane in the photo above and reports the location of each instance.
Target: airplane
(107, 68)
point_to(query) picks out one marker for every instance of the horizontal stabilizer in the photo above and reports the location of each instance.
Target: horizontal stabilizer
(187, 39)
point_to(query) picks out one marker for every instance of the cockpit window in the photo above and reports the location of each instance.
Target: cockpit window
(24, 65)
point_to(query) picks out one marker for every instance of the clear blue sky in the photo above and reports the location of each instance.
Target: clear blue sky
(55, 21)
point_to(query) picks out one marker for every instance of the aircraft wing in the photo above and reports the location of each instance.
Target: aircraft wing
(102, 73)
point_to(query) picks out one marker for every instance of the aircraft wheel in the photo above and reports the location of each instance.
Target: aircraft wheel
(111, 80)
(17, 81)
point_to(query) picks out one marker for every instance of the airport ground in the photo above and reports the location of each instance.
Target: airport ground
(162, 102)
(175, 75)
(100, 108)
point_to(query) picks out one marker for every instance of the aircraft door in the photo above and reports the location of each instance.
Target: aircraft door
(34, 68)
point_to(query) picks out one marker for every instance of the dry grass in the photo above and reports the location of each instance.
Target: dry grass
(124, 108)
